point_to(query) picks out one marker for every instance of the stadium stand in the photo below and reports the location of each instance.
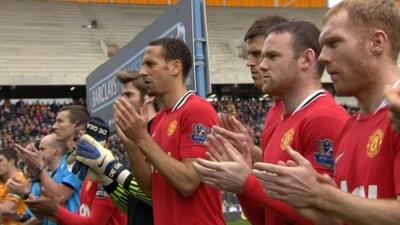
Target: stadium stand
(46, 43)
(234, 3)
(49, 43)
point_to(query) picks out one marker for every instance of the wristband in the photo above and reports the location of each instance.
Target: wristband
(113, 169)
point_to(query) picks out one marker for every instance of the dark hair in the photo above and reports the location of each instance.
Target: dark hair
(137, 81)
(9, 154)
(261, 25)
(127, 76)
(77, 113)
(174, 48)
(305, 36)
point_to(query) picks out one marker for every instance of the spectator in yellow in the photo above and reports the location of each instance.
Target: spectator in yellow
(11, 205)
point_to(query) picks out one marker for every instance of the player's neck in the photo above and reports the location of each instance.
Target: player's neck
(170, 99)
(53, 164)
(297, 95)
(70, 144)
(151, 113)
(371, 97)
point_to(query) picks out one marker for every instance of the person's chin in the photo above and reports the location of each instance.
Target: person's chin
(152, 92)
(258, 84)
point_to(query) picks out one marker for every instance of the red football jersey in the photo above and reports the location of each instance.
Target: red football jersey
(181, 132)
(96, 207)
(368, 160)
(272, 119)
(311, 130)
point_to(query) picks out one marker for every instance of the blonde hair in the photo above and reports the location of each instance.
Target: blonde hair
(381, 14)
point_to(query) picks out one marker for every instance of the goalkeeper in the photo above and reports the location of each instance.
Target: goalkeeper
(96, 206)
(125, 192)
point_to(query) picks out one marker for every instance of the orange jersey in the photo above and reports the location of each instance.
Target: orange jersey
(6, 196)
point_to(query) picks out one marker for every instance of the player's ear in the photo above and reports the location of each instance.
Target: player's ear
(175, 67)
(379, 41)
(307, 59)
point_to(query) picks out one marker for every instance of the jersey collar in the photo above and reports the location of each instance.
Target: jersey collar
(313, 96)
(182, 100)
(385, 102)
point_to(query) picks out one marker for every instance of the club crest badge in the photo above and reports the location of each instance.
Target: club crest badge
(324, 155)
(287, 139)
(172, 127)
(199, 133)
(374, 143)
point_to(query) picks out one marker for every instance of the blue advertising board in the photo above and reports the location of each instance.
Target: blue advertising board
(102, 87)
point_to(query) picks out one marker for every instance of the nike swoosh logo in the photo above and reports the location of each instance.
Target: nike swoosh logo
(153, 135)
(102, 162)
(339, 157)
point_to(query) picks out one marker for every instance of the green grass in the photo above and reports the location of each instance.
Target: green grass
(239, 222)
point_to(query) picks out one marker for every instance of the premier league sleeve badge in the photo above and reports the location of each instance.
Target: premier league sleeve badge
(199, 133)
(324, 155)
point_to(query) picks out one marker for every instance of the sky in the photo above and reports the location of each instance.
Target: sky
(333, 2)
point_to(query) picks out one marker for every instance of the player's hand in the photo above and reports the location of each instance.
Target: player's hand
(217, 141)
(30, 155)
(295, 182)
(17, 187)
(228, 175)
(127, 143)
(78, 168)
(44, 206)
(104, 179)
(9, 214)
(230, 123)
(236, 134)
(93, 154)
(133, 124)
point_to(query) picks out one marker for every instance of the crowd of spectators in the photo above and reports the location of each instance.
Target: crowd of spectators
(351, 109)
(23, 122)
(249, 111)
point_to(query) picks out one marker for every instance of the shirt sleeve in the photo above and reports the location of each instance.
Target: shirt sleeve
(69, 179)
(197, 122)
(100, 213)
(253, 210)
(396, 166)
(319, 135)
(254, 191)
(119, 194)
